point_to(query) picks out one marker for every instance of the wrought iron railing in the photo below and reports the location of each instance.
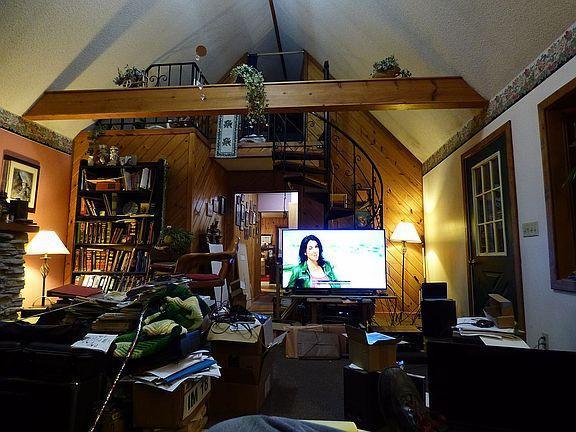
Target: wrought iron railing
(347, 168)
(164, 75)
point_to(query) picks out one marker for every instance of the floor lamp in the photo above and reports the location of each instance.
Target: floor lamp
(46, 243)
(405, 232)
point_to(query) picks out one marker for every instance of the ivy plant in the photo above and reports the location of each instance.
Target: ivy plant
(255, 92)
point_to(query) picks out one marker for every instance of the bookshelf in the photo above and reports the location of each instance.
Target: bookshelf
(118, 217)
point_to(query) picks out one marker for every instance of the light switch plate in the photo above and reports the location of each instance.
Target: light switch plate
(530, 229)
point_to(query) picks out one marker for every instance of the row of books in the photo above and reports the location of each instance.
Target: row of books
(142, 179)
(111, 260)
(108, 283)
(129, 232)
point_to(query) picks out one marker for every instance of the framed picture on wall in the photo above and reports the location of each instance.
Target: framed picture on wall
(209, 210)
(21, 180)
(238, 210)
(215, 204)
(221, 204)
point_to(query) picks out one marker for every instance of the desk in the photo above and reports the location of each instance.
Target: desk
(316, 301)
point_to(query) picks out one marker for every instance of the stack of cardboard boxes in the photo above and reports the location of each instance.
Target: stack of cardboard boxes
(243, 351)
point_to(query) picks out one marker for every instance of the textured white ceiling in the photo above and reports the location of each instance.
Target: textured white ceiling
(59, 44)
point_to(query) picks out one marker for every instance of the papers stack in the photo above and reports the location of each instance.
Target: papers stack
(465, 327)
(197, 365)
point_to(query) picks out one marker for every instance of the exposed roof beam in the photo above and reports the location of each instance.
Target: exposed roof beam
(290, 96)
(278, 40)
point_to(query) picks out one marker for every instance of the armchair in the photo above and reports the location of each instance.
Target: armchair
(204, 283)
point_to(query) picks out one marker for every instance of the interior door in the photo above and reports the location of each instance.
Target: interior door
(493, 252)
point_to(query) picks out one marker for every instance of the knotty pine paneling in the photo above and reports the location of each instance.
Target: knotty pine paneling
(194, 179)
(402, 178)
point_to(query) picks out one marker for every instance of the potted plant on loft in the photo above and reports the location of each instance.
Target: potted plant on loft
(255, 92)
(131, 77)
(389, 68)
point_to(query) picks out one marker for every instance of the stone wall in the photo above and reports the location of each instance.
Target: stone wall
(11, 272)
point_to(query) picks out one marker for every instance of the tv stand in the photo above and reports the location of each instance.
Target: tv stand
(316, 303)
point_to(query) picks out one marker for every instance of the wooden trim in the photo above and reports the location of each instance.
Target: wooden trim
(544, 116)
(290, 96)
(505, 129)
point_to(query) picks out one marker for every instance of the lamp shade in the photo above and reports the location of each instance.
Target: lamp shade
(405, 231)
(46, 243)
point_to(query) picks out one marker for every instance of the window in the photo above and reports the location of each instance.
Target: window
(490, 226)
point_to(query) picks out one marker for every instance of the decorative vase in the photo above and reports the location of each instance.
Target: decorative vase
(102, 154)
(114, 156)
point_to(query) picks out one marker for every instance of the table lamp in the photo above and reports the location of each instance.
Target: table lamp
(46, 243)
(405, 232)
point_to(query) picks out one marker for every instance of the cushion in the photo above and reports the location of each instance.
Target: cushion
(203, 277)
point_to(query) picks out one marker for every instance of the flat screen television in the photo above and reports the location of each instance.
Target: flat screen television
(334, 262)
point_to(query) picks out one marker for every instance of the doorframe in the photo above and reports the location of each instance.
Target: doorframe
(506, 130)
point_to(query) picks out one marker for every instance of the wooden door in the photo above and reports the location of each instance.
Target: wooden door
(492, 225)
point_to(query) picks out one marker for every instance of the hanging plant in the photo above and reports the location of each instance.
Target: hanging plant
(389, 68)
(131, 76)
(255, 92)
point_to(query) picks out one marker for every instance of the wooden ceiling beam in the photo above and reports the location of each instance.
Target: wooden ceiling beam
(290, 96)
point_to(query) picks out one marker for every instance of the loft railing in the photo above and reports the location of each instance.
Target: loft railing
(348, 169)
(165, 75)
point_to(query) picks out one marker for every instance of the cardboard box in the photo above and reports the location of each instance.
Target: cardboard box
(155, 408)
(500, 310)
(242, 391)
(373, 356)
(316, 341)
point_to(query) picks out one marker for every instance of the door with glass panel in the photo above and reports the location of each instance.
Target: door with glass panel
(493, 253)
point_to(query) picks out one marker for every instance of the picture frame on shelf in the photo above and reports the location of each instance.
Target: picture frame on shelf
(21, 178)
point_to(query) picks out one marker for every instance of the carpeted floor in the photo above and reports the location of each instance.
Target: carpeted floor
(306, 389)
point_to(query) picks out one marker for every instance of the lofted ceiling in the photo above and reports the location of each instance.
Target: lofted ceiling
(65, 44)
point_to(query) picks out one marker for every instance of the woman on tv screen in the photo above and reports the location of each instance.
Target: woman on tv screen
(313, 271)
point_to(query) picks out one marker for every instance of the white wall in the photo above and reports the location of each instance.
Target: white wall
(547, 311)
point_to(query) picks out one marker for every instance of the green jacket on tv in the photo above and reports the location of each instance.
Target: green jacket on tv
(300, 271)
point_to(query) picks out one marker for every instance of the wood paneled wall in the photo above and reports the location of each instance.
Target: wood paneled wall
(193, 177)
(402, 177)
(270, 225)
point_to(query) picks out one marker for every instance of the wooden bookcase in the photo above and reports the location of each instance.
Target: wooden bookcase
(119, 213)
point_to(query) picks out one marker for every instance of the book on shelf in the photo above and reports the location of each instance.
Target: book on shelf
(107, 283)
(111, 260)
(123, 232)
(137, 180)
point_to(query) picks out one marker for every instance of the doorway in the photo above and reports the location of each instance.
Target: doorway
(278, 211)
(492, 223)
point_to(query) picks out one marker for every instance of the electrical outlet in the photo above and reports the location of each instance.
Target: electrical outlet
(543, 342)
(530, 229)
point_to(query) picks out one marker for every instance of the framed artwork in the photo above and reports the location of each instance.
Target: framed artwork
(209, 210)
(221, 204)
(238, 210)
(265, 239)
(21, 180)
(215, 204)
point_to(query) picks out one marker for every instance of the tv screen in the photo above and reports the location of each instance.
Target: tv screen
(335, 260)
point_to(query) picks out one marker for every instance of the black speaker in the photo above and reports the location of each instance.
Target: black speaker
(438, 317)
(361, 398)
(434, 290)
